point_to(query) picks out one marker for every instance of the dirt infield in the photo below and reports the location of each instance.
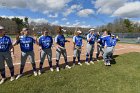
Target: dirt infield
(120, 49)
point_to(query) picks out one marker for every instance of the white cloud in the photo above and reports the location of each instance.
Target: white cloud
(129, 10)
(13, 3)
(108, 7)
(67, 23)
(85, 12)
(64, 19)
(72, 9)
(53, 16)
(44, 6)
(38, 20)
(55, 22)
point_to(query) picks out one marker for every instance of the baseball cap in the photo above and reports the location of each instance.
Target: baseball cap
(92, 29)
(79, 31)
(1, 27)
(24, 29)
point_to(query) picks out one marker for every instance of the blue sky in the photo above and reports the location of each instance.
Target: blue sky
(84, 13)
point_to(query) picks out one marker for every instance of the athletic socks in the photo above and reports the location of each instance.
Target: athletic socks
(78, 59)
(34, 66)
(57, 63)
(2, 73)
(74, 58)
(66, 62)
(40, 66)
(50, 64)
(91, 57)
(12, 71)
(21, 69)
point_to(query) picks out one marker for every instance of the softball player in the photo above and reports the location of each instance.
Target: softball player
(114, 42)
(60, 48)
(77, 41)
(108, 48)
(5, 55)
(45, 42)
(91, 37)
(26, 44)
(100, 47)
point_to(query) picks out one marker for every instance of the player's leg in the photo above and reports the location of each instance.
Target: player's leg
(91, 55)
(88, 53)
(74, 56)
(32, 60)
(64, 53)
(9, 62)
(2, 69)
(23, 60)
(42, 58)
(49, 56)
(98, 52)
(78, 56)
(58, 54)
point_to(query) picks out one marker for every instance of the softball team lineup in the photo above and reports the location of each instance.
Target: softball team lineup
(105, 46)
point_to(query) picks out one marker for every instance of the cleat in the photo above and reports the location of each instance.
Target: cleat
(79, 64)
(35, 73)
(91, 62)
(20, 75)
(67, 66)
(39, 72)
(51, 69)
(105, 63)
(57, 69)
(2, 80)
(12, 78)
(87, 63)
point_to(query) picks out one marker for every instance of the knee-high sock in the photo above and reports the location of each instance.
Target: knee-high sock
(74, 58)
(2, 72)
(12, 71)
(91, 57)
(50, 64)
(87, 55)
(40, 66)
(57, 63)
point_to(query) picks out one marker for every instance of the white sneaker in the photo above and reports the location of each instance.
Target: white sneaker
(108, 64)
(20, 75)
(35, 73)
(57, 69)
(12, 78)
(67, 66)
(51, 69)
(105, 63)
(39, 72)
(91, 62)
(87, 63)
(2, 80)
(79, 64)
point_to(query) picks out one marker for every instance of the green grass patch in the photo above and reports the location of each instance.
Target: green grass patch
(122, 77)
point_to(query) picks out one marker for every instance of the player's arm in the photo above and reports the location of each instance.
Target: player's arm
(88, 38)
(16, 42)
(35, 39)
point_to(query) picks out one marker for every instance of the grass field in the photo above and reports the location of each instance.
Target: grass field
(122, 77)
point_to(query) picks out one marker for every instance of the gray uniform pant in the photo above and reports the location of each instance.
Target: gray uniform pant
(60, 51)
(6, 56)
(100, 49)
(24, 56)
(90, 49)
(44, 53)
(107, 53)
(77, 51)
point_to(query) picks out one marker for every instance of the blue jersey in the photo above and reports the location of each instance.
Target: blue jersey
(5, 43)
(108, 41)
(101, 41)
(45, 42)
(60, 40)
(114, 41)
(93, 38)
(26, 43)
(77, 40)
